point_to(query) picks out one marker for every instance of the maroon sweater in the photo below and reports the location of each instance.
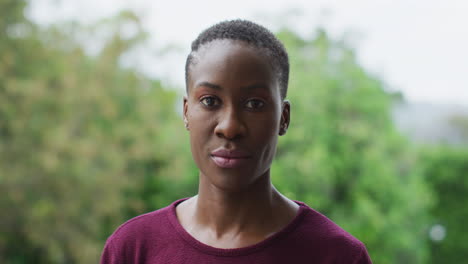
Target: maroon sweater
(158, 237)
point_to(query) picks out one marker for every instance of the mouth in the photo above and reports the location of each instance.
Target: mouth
(228, 159)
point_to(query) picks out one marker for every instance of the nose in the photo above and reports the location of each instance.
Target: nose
(230, 125)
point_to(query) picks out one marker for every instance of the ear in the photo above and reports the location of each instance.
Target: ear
(184, 111)
(285, 117)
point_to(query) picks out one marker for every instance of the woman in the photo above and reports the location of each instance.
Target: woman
(235, 109)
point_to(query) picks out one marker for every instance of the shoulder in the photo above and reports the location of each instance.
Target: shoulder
(139, 235)
(318, 231)
(142, 225)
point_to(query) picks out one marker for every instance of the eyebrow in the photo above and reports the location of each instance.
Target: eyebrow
(249, 87)
(209, 85)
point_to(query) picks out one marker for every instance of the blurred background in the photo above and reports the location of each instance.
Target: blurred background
(91, 132)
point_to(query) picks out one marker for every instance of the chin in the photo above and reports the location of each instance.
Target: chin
(233, 180)
(232, 186)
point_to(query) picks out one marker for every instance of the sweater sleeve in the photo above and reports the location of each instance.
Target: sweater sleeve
(364, 257)
(109, 255)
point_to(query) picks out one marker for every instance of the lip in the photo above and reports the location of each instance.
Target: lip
(228, 159)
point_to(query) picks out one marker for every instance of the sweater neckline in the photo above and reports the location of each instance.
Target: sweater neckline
(231, 252)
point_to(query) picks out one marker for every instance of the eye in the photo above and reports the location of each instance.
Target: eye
(254, 104)
(209, 101)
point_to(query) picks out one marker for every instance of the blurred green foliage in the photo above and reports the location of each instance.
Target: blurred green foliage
(344, 156)
(83, 142)
(86, 144)
(446, 170)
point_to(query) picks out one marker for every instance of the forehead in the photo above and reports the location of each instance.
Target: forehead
(231, 62)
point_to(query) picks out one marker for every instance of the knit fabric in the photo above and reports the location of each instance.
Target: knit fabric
(157, 237)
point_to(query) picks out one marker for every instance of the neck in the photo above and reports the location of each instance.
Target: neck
(237, 211)
(232, 219)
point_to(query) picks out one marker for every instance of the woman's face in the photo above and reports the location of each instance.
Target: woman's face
(234, 112)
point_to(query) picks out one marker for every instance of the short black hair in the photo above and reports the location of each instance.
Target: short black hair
(251, 33)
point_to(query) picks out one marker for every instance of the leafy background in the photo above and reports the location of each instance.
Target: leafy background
(86, 143)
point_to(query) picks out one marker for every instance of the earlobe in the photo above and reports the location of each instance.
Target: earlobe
(185, 108)
(285, 117)
(283, 129)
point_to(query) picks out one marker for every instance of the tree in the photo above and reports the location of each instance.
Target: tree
(446, 169)
(80, 139)
(86, 143)
(343, 155)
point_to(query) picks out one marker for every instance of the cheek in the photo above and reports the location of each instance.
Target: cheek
(265, 133)
(202, 120)
(266, 125)
(200, 127)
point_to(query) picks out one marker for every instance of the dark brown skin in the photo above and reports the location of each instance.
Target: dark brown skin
(234, 103)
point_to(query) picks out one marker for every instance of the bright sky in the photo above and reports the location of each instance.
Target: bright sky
(419, 47)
